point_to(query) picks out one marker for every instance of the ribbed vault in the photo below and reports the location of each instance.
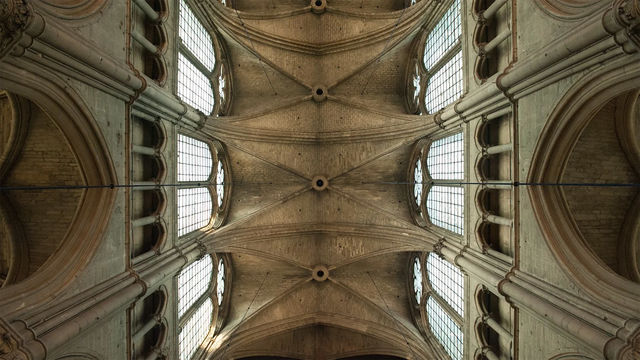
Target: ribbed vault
(358, 137)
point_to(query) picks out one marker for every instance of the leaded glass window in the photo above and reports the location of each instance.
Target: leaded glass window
(193, 332)
(444, 305)
(445, 86)
(445, 160)
(196, 62)
(194, 209)
(447, 281)
(194, 159)
(445, 329)
(200, 193)
(196, 308)
(444, 36)
(193, 282)
(445, 206)
(443, 176)
(441, 72)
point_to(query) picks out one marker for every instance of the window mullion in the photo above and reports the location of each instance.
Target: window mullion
(445, 305)
(194, 60)
(444, 59)
(196, 305)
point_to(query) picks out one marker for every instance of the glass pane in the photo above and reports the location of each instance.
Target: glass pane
(445, 329)
(194, 331)
(417, 279)
(445, 86)
(417, 180)
(194, 88)
(443, 36)
(445, 205)
(193, 282)
(220, 281)
(445, 160)
(196, 38)
(446, 279)
(194, 159)
(194, 209)
(220, 183)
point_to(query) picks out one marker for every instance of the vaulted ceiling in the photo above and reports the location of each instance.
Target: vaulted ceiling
(283, 226)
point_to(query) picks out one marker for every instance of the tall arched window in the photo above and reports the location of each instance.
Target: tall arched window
(440, 72)
(196, 162)
(196, 62)
(443, 60)
(197, 310)
(438, 174)
(445, 166)
(442, 308)
(445, 306)
(195, 165)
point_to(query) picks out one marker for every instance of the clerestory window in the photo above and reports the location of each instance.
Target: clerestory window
(440, 72)
(438, 178)
(195, 165)
(445, 167)
(441, 299)
(196, 62)
(201, 67)
(196, 307)
(201, 190)
(445, 306)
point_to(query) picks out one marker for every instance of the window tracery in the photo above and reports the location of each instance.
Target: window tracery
(439, 72)
(201, 70)
(436, 184)
(196, 194)
(417, 279)
(418, 180)
(220, 281)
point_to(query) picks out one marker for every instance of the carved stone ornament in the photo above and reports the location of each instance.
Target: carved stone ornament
(628, 15)
(14, 16)
(437, 247)
(7, 343)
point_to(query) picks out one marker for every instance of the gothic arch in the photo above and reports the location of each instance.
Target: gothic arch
(570, 9)
(84, 138)
(563, 129)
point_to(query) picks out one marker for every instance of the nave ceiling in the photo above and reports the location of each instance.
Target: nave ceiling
(356, 137)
